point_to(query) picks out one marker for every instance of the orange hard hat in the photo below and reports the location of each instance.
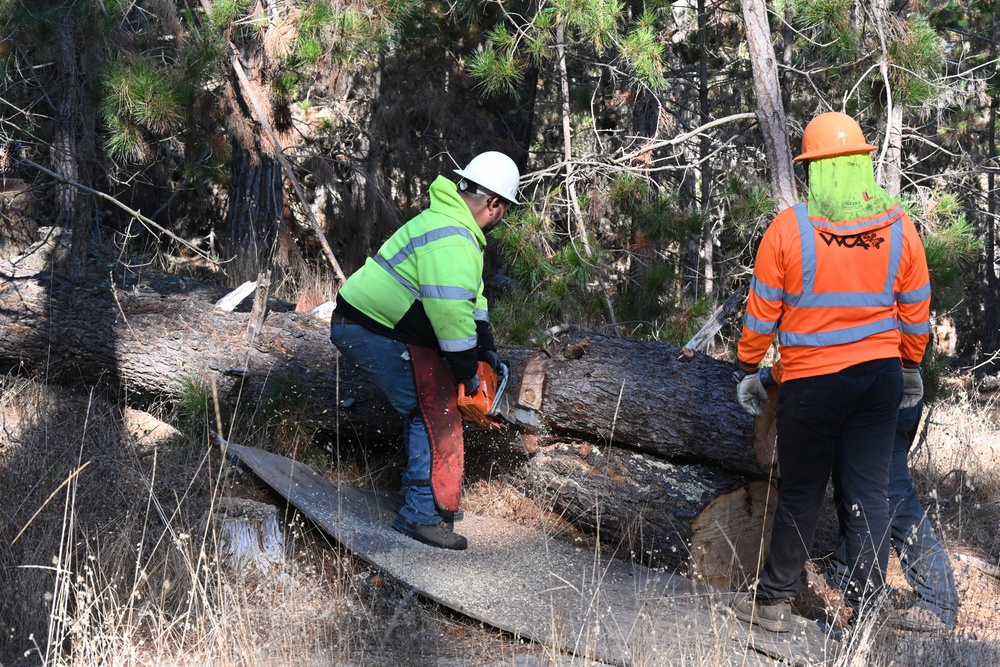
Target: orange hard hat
(831, 134)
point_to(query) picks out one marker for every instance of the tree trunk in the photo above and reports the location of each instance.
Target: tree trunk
(255, 209)
(703, 511)
(892, 167)
(71, 209)
(707, 524)
(770, 113)
(991, 342)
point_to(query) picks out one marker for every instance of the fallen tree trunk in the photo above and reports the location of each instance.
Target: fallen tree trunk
(704, 512)
(149, 336)
(706, 523)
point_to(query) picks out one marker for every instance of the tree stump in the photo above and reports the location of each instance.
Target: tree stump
(248, 535)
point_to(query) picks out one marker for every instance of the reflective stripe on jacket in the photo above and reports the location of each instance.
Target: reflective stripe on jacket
(432, 264)
(837, 293)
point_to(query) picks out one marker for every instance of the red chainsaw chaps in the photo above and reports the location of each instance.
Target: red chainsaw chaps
(436, 393)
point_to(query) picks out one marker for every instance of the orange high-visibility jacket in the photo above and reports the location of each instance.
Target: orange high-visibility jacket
(837, 293)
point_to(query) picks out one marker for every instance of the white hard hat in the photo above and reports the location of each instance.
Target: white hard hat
(495, 172)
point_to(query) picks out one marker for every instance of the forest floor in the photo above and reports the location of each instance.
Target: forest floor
(108, 557)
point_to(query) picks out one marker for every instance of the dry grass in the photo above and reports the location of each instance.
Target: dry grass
(108, 559)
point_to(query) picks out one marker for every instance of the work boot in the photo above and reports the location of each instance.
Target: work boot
(451, 517)
(439, 535)
(773, 617)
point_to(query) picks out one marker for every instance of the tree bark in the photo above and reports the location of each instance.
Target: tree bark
(770, 112)
(71, 208)
(255, 206)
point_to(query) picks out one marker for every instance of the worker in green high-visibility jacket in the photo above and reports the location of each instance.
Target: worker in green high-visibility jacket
(415, 320)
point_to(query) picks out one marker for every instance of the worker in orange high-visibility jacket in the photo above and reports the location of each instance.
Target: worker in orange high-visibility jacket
(842, 281)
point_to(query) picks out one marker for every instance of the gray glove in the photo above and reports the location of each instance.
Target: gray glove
(492, 358)
(751, 393)
(471, 385)
(913, 388)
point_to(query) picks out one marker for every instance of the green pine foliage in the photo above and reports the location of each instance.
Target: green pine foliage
(593, 29)
(918, 54)
(139, 96)
(833, 26)
(194, 404)
(222, 13)
(950, 244)
(498, 70)
(631, 271)
(642, 50)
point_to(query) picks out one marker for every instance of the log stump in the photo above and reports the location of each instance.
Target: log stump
(249, 538)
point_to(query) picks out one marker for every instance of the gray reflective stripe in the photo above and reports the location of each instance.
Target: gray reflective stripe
(460, 345)
(417, 241)
(758, 326)
(400, 279)
(915, 296)
(838, 337)
(766, 291)
(895, 254)
(446, 292)
(915, 329)
(838, 299)
(481, 316)
(807, 242)
(890, 212)
(430, 237)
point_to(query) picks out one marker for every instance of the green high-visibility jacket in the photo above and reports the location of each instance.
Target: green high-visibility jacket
(425, 284)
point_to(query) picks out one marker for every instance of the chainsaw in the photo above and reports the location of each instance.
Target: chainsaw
(489, 400)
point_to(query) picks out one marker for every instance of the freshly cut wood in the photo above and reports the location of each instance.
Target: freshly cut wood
(148, 336)
(709, 524)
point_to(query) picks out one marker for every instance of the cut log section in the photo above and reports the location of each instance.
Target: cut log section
(709, 524)
(640, 395)
(765, 435)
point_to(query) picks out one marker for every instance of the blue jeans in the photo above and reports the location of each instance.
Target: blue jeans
(840, 424)
(387, 363)
(924, 561)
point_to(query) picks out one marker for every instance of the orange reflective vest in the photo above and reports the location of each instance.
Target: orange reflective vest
(837, 294)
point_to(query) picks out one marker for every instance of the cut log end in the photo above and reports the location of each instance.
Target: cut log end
(765, 435)
(730, 537)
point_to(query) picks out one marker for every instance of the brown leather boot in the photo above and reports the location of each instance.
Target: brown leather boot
(440, 534)
(773, 617)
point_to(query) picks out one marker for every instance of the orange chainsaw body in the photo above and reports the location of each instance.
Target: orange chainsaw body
(478, 408)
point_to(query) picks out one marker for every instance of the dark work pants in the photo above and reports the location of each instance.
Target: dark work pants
(841, 424)
(924, 560)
